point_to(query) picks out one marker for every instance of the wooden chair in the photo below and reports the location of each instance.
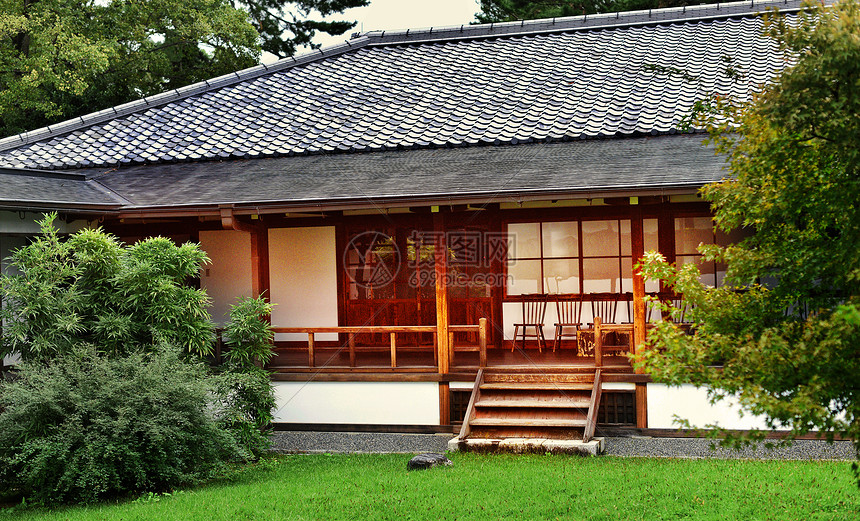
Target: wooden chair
(680, 319)
(605, 306)
(649, 310)
(569, 312)
(534, 312)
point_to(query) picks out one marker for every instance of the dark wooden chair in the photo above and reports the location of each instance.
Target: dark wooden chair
(569, 313)
(682, 306)
(680, 316)
(605, 306)
(534, 313)
(650, 309)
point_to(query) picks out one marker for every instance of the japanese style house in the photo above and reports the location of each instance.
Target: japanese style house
(410, 200)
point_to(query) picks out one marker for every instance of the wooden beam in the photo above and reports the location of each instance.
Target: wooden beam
(260, 262)
(638, 250)
(639, 315)
(444, 403)
(441, 267)
(482, 342)
(642, 405)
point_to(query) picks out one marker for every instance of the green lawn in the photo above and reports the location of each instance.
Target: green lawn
(500, 487)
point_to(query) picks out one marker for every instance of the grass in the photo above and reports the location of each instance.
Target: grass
(498, 487)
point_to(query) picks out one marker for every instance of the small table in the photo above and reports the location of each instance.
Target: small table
(600, 329)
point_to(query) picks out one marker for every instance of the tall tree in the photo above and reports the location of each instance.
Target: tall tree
(64, 58)
(285, 25)
(783, 334)
(510, 10)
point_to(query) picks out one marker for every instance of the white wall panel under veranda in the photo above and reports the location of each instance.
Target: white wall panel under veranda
(691, 403)
(229, 275)
(378, 403)
(303, 278)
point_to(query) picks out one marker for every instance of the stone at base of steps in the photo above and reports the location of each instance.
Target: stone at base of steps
(528, 446)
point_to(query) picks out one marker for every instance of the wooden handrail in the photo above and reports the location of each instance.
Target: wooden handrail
(481, 329)
(591, 419)
(357, 329)
(465, 429)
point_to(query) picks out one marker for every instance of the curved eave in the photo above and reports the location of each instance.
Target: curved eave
(423, 200)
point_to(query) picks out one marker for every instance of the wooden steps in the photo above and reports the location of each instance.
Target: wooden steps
(524, 386)
(522, 402)
(513, 422)
(507, 404)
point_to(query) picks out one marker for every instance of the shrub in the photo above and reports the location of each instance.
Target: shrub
(245, 403)
(90, 288)
(246, 397)
(89, 426)
(249, 335)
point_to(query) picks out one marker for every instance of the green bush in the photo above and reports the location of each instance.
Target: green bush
(91, 288)
(89, 426)
(244, 409)
(246, 397)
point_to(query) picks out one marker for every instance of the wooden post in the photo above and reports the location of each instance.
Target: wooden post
(444, 403)
(352, 349)
(641, 406)
(259, 262)
(639, 311)
(441, 266)
(638, 250)
(598, 343)
(482, 342)
(311, 349)
(393, 349)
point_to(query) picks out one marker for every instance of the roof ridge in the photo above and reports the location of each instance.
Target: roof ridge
(592, 21)
(376, 38)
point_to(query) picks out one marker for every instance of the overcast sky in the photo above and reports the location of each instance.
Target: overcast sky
(407, 14)
(390, 15)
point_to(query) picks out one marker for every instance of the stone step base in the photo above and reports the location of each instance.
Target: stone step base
(528, 446)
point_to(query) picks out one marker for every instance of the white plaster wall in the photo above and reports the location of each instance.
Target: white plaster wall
(386, 403)
(691, 403)
(618, 386)
(303, 278)
(228, 277)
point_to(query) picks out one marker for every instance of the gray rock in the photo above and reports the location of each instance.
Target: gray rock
(426, 461)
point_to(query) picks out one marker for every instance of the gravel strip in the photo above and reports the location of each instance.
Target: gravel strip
(362, 442)
(704, 448)
(312, 442)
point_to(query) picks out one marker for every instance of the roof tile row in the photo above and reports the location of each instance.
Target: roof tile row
(571, 85)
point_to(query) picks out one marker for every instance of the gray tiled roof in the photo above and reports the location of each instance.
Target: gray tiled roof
(53, 190)
(445, 175)
(539, 81)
